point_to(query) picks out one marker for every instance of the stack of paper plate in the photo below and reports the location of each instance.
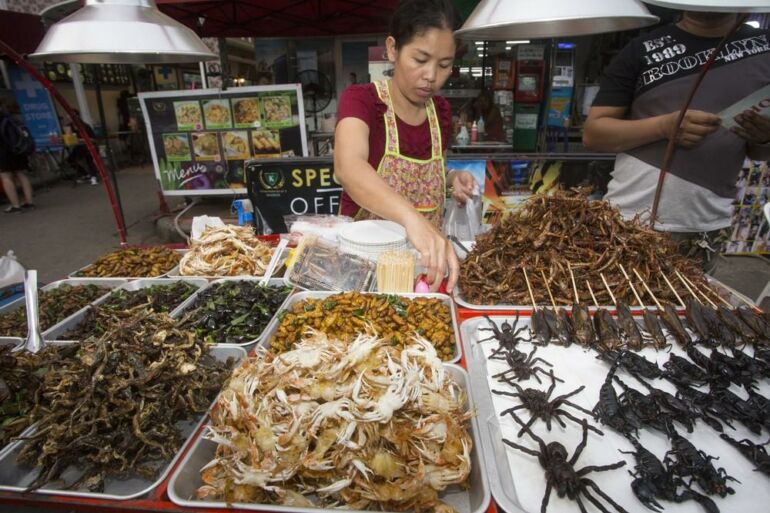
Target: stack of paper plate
(372, 238)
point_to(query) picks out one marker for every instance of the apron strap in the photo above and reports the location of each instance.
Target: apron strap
(391, 127)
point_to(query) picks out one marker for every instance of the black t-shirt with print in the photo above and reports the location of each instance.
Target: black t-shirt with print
(669, 53)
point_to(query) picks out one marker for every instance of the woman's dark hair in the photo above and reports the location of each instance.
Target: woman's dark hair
(414, 17)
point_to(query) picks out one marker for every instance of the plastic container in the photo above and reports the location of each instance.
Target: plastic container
(324, 267)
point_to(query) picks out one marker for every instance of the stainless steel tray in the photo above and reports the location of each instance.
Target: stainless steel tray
(16, 478)
(110, 283)
(174, 273)
(301, 296)
(59, 332)
(75, 274)
(269, 327)
(517, 481)
(475, 499)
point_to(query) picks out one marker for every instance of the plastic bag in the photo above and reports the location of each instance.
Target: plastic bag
(11, 271)
(464, 222)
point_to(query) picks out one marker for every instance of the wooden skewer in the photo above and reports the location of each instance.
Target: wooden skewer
(726, 302)
(529, 287)
(607, 286)
(631, 284)
(671, 286)
(687, 286)
(647, 288)
(574, 286)
(592, 294)
(691, 287)
(548, 288)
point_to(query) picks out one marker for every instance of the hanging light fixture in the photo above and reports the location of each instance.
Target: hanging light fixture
(524, 19)
(121, 32)
(735, 6)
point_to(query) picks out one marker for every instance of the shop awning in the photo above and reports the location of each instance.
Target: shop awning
(280, 18)
(22, 32)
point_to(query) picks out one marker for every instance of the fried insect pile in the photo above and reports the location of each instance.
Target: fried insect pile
(158, 298)
(359, 424)
(54, 306)
(226, 251)
(132, 262)
(394, 318)
(21, 373)
(550, 231)
(112, 410)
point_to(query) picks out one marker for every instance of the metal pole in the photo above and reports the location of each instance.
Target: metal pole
(204, 82)
(10, 52)
(80, 94)
(110, 156)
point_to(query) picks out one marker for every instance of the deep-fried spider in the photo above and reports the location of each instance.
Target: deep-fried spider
(541, 406)
(507, 335)
(522, 367)
(561, 474)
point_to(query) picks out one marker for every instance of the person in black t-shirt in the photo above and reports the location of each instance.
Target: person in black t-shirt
(635, 114)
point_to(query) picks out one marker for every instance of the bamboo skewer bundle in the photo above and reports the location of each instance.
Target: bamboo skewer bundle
(395, 272)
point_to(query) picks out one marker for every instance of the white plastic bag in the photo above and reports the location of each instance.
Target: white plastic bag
(11, 271)
(200, 223)
(464, 222)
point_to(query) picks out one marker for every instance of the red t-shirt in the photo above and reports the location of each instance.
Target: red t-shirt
(362, 102)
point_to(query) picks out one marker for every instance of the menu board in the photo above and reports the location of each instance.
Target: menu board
(201, 139)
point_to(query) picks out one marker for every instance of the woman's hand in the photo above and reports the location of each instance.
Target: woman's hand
(752, 127)
(696, 126)
(462, 183)
(436, 253)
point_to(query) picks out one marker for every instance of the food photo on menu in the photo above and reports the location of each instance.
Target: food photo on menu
(205, 145)
(188, 115)
(217, 114)
(176, 147)
(266, 142)
(277, 111)
(246, 112)
(236, 145)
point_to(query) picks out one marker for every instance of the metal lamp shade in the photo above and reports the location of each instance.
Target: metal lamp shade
(714, 5)
(528, 19)
(121, 32)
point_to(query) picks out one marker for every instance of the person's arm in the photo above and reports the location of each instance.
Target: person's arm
(607, 129)
(361, 181)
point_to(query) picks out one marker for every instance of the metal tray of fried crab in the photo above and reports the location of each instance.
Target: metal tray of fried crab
(180, 311)
(48, 334)
(473, 498)
(60, 330)
(517, 480)
(278, 271)
(303, 295)
(17, 478)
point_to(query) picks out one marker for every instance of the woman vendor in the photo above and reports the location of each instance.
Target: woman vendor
(392, 136)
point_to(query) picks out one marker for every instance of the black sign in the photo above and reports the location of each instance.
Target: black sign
(283, 187)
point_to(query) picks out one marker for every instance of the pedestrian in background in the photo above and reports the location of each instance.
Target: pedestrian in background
(16, 144)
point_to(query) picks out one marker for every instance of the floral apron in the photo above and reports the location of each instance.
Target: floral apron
(421, 182)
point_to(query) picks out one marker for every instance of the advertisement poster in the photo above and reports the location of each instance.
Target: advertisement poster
(279, 188)
(200, 140)
(37, 110)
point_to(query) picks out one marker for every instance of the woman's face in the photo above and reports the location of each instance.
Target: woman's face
(424, 64)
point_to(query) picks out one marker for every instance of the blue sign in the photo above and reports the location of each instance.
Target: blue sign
(37, 110)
